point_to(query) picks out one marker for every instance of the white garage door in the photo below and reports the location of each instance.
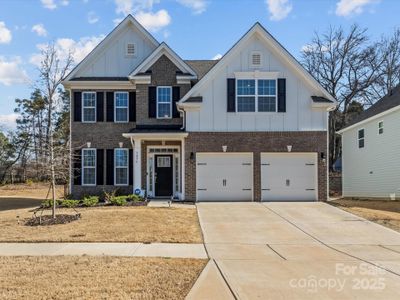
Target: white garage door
(224, 176)
(289, 176)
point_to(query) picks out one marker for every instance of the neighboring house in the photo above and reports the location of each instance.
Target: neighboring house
(371, 151)
(251, 126)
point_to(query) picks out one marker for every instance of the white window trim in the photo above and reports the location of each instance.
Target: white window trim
(358, 139)
(170, 106)
(83, 107)
(251, 59)
(115, 107)
(115, 168)
(383, 127)
(83, 167)
(256, 96)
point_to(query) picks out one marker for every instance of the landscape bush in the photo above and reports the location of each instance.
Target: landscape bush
(118, 200)
(49, 203)
(70, 203)
(134, 198)
(89, 201)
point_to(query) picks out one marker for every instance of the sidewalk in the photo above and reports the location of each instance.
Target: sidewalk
(109, 249)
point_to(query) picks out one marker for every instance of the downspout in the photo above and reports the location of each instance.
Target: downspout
(184, 114)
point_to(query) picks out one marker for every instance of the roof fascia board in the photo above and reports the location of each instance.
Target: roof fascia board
(104, 42)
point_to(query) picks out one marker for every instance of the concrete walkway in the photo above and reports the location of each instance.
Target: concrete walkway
(296, 250)
(110, 249)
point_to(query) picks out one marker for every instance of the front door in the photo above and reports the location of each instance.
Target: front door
(163, 175)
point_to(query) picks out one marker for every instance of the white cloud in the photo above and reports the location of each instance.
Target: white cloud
(279, 9)
(39, 30)
(9, 121)
(49, 4)
(217, 56)
(5, 34)
(153, 21)
(11, 71)
(64, 2)
(126, 7)
(197, 6)
(92, 17)
(79, 49)
(313, 48)
(346, 8)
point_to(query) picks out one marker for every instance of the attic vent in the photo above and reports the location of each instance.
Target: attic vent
(256, 59)
(130, 49)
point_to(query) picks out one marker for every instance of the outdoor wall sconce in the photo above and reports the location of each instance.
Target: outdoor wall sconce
(121, 144)
(88, 144)
(224, 148)
(191, 155)
(323, 157)
(289, 148)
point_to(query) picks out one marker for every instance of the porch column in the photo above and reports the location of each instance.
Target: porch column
(137, 165)
(183, 169)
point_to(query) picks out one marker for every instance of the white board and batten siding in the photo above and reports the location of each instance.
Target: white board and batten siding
(299, 116)
(224, 176)
(372, 171)
(113, 61)
(289, 176)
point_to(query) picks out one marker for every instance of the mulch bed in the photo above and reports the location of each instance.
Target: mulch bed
(49, 220)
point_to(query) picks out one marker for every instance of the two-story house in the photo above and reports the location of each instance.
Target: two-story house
(371, 149)
(251, 126)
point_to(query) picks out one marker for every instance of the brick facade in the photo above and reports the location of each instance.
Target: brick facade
(255, 142)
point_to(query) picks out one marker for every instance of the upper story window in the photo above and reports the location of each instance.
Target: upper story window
(361, 138)
(256, 95)
(121, 166)
(121, 107)
(255, 59)
(380, 127)
(130, 49)
(89, 166)
(164, 102)
(89, 107)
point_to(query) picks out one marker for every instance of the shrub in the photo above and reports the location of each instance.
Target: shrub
(134, 198)
(109, 195)
(70, 203)
(118, 200)
(49, 203)
(90, 201)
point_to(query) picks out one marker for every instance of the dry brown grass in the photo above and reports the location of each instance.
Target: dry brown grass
(108, 224)
(32, 191)
(383, 212)
(73, 277)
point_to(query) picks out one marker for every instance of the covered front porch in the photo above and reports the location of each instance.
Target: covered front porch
(158, 164)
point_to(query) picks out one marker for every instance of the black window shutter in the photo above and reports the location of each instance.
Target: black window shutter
(176, 95)
(231, 104)
(110, 167)
(152, 101)
(77, 159)
(130, 171)
(100, 167)
(281, 95)
(100, 106)
(132, 106)
(77, 106)
(110, 107)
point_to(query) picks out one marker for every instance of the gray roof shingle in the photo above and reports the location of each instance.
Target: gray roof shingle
(201, 67)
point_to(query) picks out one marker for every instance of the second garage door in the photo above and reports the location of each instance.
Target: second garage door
(289, 176)
(224, 176)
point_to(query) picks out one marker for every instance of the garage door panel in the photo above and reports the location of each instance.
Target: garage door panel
(288, 176)
(224, 176)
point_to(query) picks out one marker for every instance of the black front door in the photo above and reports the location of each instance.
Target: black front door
(163, 175)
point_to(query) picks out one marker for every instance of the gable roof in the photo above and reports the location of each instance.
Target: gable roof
(129, 19)
(201, 67)
(385, 104)
(257, 28)
(162, 49)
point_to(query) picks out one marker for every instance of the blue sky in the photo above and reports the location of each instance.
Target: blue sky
(195, 29)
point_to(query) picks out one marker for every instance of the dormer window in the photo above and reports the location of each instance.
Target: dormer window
(130, 49)
(255, 59)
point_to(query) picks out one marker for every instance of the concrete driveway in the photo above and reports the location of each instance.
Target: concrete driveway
(295, 250)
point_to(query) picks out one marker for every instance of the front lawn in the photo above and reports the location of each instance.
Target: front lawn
(107, 224)
(85, 277)
(383, 212)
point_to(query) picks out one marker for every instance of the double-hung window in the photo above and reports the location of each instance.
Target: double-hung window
(121, 166)
(121, 107)
(256, 95)
(89, 107)
(89, 166)
(164, 102)
(361, 138)
(380, 127)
